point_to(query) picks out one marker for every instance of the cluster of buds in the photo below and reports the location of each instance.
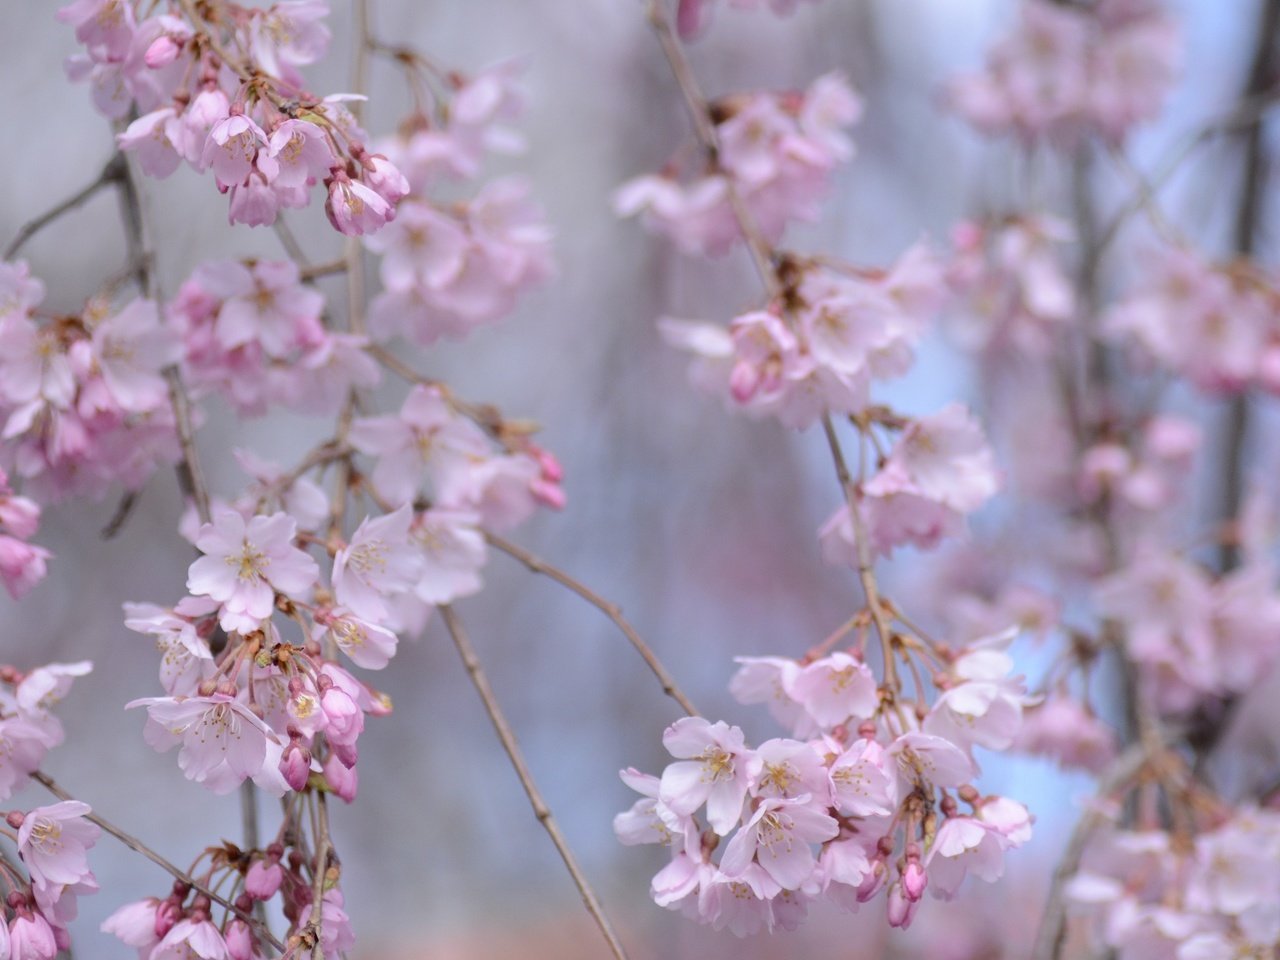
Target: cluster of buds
(183, 924)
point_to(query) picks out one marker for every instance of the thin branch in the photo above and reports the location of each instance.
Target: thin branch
(133, 843)
(862, 543)
(536, 564)
(111, 174)
(696, 102)
(1245, 234)
(1052, 935)
(540, 809)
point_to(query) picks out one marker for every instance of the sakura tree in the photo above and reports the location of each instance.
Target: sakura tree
(1073, 561)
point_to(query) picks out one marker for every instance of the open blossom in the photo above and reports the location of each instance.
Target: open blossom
(984, 708)
(54, 841)
(835, 688)
(181, 638)
(1064, 730)
(427, 440)
(380, 560)
(222, 742)
(1014, 292)
(712, 769)
(246, 564)
(778, 837)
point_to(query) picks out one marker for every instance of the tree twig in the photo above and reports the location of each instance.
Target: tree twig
(1052, 935)
(111, 174)
(540, 809)
(536, 564)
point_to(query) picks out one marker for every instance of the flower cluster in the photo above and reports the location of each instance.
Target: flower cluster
(254, 334)
(776, 154)
(1072, 69)
(84, 397)
(246, 118)
(1214, 324)
(450, 267)
(1211, 897)
(938, 471)
(51, 841)
(28, 727)
(843, 329)
(873, 784)
(1011, 286)
(1194, 638)
(53, 844)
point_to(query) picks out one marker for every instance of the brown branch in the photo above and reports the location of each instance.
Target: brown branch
(536, 564)
(1245, 233)
(111, 174)
(133, 843)
(1052, 935)
(862, 543)
(540, 809)
(761, 255)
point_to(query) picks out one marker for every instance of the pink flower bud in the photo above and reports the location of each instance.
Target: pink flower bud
(162, 52)
(873, 882)
(548, 494)
(347, 753)
(914, 880)
(901, 909)
(743, 381)
(167, 914)
(343, 780)
(239, 940)
(263, 879)
(295, 765)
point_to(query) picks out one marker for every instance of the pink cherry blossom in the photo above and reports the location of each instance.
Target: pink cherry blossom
(246, 564)
(54, 842)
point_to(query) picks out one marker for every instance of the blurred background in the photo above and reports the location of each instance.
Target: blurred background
(702, 525)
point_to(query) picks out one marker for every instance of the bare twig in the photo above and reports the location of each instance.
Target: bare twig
(694, 99)
(610, 609)
(1052, 935)
(111, 174)
(866, 571)
(540, 809)
(133, 843)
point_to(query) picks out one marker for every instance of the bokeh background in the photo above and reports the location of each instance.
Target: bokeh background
(701, 525)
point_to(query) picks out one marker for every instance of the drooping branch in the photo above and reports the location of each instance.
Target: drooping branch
(111, 175)
(540, 809)
(536, 564)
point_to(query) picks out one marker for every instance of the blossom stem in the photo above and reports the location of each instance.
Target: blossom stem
(540, 809)
(536, 564)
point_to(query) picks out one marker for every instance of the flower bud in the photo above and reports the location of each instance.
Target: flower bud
(162, 52)
(295, 765)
